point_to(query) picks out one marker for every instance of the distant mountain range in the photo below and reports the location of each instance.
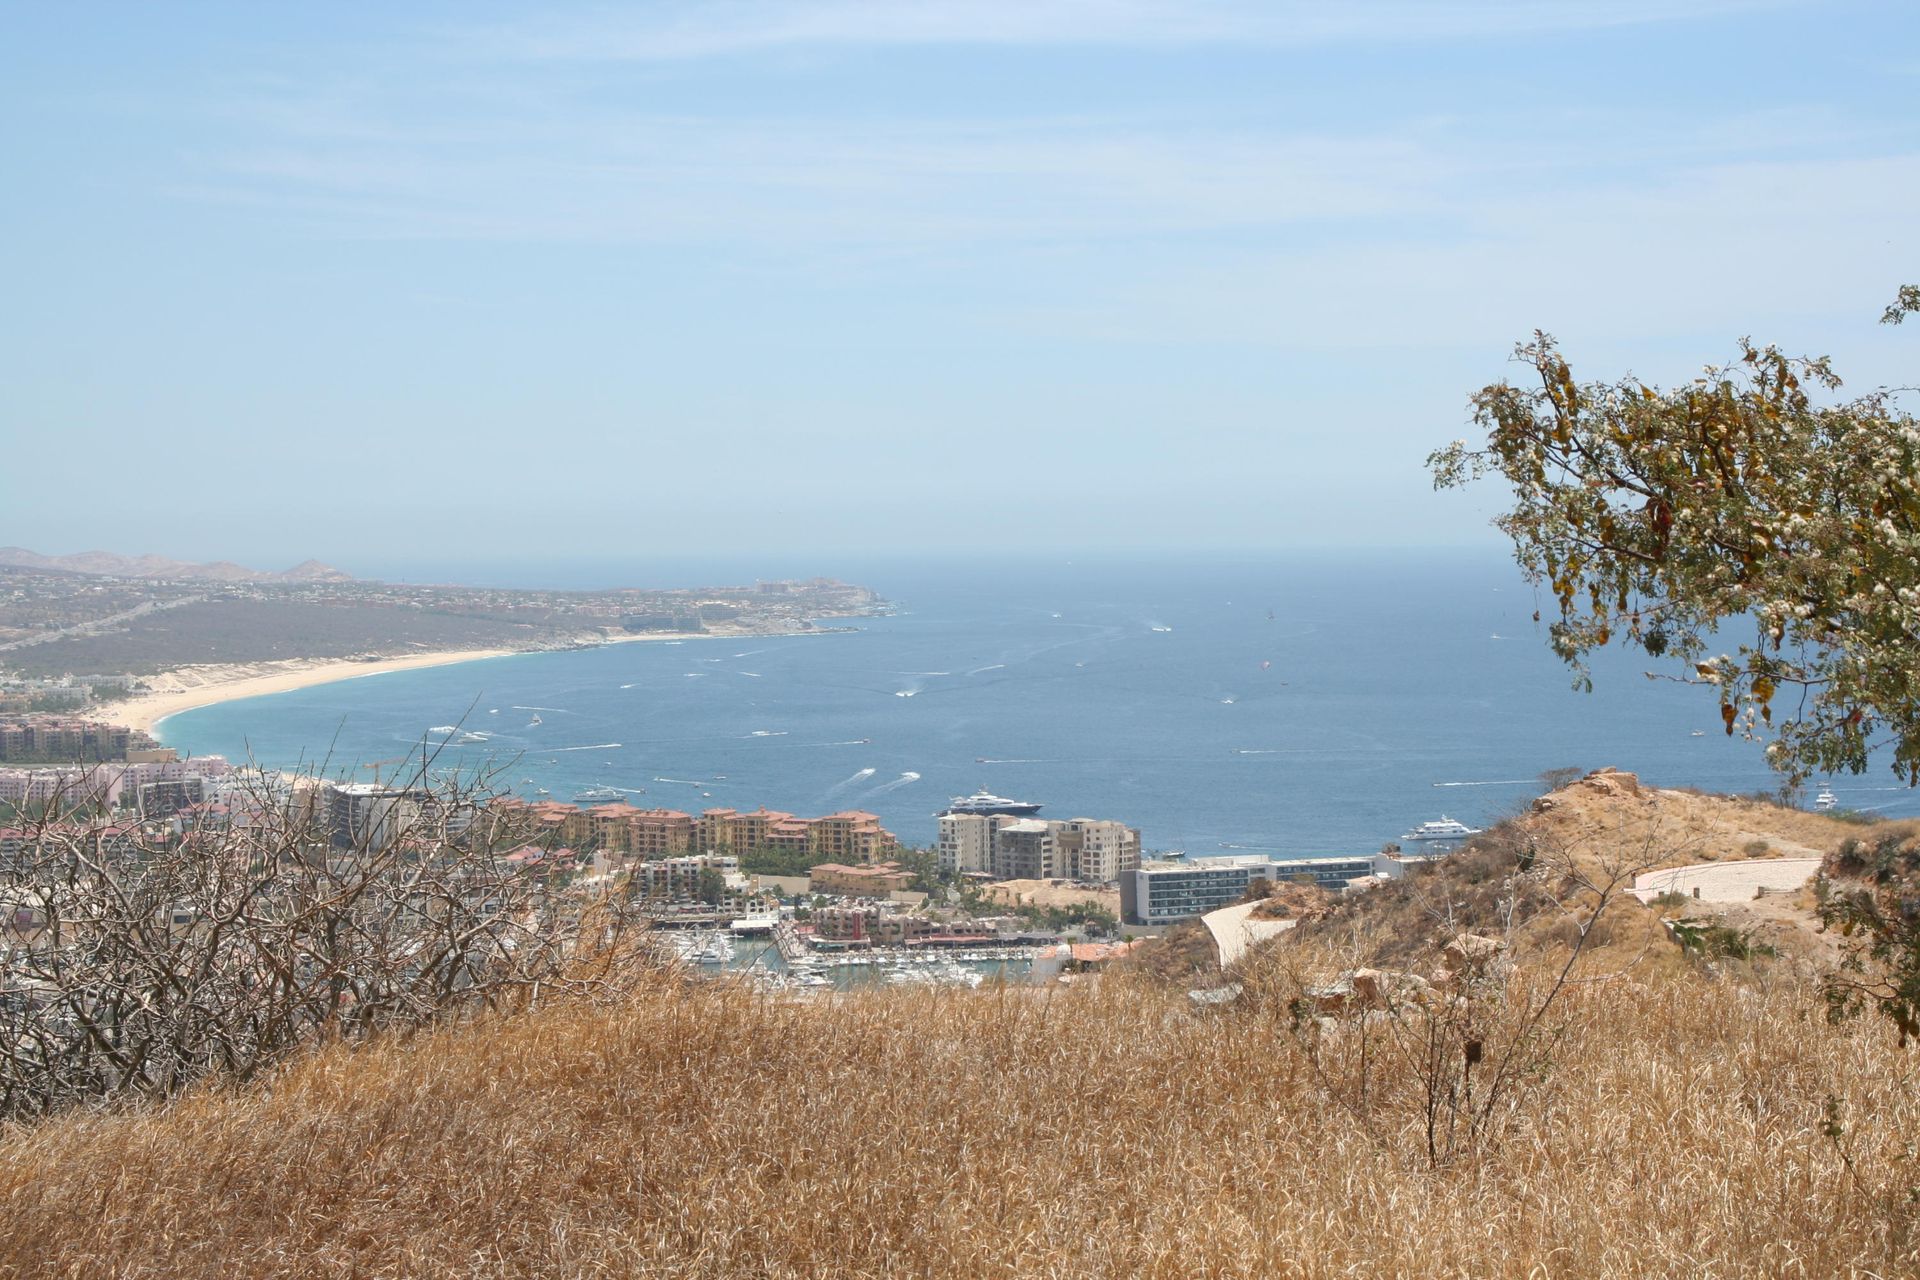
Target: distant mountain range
(107, 564)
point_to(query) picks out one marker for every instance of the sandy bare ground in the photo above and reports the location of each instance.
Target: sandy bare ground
(1728, 881)
(186, 688)
(1234, 930)
(1045, 893)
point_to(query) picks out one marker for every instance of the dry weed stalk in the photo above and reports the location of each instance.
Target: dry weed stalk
(139, 959)
(1475, 1043)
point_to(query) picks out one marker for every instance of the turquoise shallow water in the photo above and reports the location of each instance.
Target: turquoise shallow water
(1304, 704)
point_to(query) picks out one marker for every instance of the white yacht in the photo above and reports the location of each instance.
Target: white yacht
(1445, 829)
(984, 802)
(1826, 799)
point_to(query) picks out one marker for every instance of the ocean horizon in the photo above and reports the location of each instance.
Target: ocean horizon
(1311, 703)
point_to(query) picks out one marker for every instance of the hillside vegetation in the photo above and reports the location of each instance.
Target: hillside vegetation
(1099, 1132)
(1671, 1114)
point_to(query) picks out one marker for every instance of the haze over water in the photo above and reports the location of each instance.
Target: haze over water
(1311, 703)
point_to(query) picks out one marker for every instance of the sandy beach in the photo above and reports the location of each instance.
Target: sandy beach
(185, 688)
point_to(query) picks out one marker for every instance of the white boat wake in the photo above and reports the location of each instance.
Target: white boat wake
(854, 781)
(905, 779)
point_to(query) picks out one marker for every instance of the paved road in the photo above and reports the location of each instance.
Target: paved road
(100, 624)
(1234, 930)
(1728, 881)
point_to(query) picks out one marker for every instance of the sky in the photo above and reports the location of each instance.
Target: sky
(477, 282)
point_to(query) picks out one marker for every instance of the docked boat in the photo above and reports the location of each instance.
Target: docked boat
(1444, 830)
(984, 802)
(1826, 799)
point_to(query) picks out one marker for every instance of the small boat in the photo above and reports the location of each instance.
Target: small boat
(535, 721)
(1826, 800)
(1698, 733)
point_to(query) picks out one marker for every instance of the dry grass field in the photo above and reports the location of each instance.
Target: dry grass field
(1683, 1128)
(1668, 1114)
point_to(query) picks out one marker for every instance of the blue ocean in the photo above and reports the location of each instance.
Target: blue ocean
(1304, 704)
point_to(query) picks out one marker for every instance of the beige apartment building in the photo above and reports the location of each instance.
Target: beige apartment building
(1089, 850)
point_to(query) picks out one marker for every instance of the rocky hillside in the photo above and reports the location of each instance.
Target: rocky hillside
(1685, 874)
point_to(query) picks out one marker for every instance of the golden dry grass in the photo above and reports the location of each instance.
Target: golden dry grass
(1104, 1131)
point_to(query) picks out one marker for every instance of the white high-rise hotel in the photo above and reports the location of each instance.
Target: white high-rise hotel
(1090, 850)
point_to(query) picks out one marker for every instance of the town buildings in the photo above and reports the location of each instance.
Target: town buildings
(858, 882)
(154, 788)
(1089, 850)
(853, 836)
(60, 739)
(1162, 891)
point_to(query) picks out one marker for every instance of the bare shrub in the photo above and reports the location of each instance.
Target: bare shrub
(141, 957)
(1459, 1053)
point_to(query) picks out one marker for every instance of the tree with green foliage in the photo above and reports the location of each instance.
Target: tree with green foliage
(1751, 496)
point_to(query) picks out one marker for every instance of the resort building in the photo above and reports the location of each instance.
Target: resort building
(858, 882)
(850, 836)
(58, 738)
(1162, 891)
(966, 843)
(1089, 850)
(659, 833)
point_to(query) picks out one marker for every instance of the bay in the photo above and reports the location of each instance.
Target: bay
(1301, 704)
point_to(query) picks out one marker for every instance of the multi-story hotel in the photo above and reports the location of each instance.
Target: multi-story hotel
(1164, 890)
(59, 738)
(1089, 850)
(852, 836)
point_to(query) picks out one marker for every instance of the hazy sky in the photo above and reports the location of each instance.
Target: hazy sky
(481, 281)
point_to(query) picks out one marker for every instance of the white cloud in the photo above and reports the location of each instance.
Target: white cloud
(725, 27)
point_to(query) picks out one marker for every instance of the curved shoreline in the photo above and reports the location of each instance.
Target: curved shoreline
(209, 686)
(192, 688)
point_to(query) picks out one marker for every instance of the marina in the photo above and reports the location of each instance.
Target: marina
(782, 961)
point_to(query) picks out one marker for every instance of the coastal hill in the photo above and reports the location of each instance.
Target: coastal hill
(55, 621)
(1112, 1127)
(1752, 859)
(108, 564)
